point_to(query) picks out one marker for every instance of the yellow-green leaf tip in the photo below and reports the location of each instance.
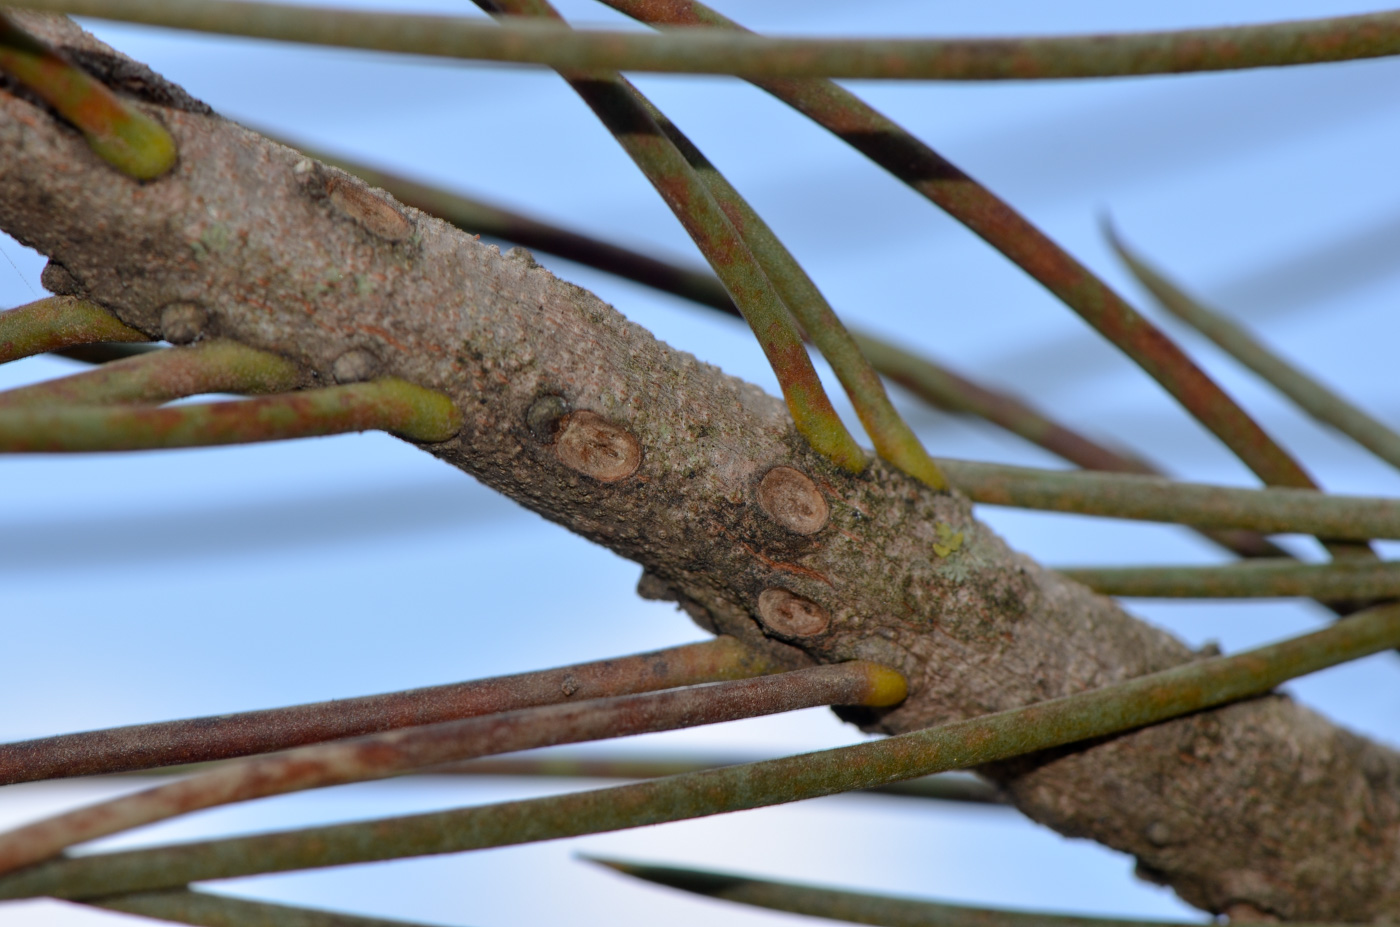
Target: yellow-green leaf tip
(138, 146)
(885, 687)
(430, 417)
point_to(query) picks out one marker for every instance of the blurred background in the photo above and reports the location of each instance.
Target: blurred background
(137, 587)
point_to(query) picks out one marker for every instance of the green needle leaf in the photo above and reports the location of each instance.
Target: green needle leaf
(197, 740)
(206, 909)
(854, 907)
(886, 143)
(391, 753)
(162, 375)
(630, 118)
(1149, 498)
(1356, 580)
(1343, 38)
(959, 745)
(390, 405)
(58, 322)
(1312, 396)
(957, 787)
(120, 134)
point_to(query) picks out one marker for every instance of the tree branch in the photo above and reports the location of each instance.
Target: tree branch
(1260, 806)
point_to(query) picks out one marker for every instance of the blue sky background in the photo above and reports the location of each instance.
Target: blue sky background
(146, 586)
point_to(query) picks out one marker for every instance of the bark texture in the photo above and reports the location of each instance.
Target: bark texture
(1261, 809)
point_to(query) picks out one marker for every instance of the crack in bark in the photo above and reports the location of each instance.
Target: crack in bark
(1258, 806)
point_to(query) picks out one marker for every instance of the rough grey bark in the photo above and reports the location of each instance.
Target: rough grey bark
(1261, 809)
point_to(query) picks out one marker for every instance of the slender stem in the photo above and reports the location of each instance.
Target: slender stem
(206, 909)
(1148, 498)
(159, 376)
(1343, 38)
(196, 740)
(1120, 707)
(388, 405)
(391, 753)
(55, 323)
(959, 788)
(1345, 579)
(1312, 396)
(116, 130)
(886, 143)
(856, 907)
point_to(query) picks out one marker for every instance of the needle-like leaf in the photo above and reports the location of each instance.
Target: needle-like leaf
(959, 745)
(856, 907)
(1312, 396)
(894, 440)
(1342, 38)
(58, 322)
(1255, 579)
(159, 376)
(120, 134)
(1149, 498)
(386, 405)
(886, 143)
(196, 740)
(959, 788)
(206, 909)
(104, 352)
(631, 120)
(391, 753)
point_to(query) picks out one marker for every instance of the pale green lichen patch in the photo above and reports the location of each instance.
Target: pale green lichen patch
(214, 239)
(949, 541)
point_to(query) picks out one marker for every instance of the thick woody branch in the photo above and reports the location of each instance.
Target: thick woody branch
(589, 420)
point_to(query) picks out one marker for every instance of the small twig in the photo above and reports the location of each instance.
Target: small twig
(1312, 396)
(392, 753)
(856, 907)
(159, 376)
(117, 131)
(197, 740)
(385, 405)
(1256, 579)
(1148, 498)
(1119, 707)
(1343, 38)
(55, 323)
